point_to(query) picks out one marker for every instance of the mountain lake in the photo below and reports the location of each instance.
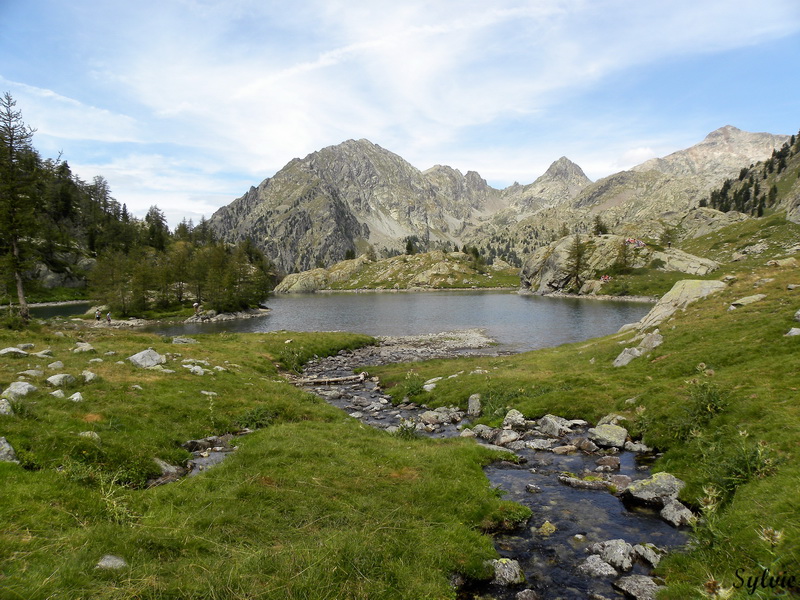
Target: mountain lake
(517, 322)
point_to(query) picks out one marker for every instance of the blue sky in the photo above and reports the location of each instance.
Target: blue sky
(185, 104)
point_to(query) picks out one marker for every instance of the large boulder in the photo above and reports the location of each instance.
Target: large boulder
(18, 389)
(608, 436)
(147, 359)
(656, 490)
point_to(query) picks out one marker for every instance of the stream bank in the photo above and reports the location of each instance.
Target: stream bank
(578, 526)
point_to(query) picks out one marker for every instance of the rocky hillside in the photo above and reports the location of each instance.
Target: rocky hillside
(343, 199)
(578, 263)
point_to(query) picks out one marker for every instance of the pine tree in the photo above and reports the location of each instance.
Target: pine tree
(19, 200)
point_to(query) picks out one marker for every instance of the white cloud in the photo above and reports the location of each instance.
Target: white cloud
(243, 86)
(57, 116)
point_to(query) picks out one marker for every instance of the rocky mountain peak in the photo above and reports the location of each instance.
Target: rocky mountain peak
(566, 170)
(562, 182)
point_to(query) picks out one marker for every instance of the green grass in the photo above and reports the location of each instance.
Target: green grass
(312, 505)
(719, 398)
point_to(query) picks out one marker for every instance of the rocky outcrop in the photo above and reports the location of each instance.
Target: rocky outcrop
(553, 268)
(679, 297)
(426, 270)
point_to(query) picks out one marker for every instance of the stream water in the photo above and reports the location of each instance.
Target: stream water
(549, 556)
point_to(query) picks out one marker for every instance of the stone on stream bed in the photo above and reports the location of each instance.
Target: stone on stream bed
(556, 447)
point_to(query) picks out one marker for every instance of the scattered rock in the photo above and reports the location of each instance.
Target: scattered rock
(89, 377)
(586, 445)
(594, 566)
(58, 394)
(507, 572)
(607, 463)
(637, 447)
(540, 444)
(527, 595)
(7, 453)
(639, 587)
(31, 373)
(656, 490)
(553, 426)
(13, 352)
(484, 432)
(183, 340)
(5, 407)
(676, 514)
(746, 300)
(514, 420)
(793, 332)
(55, 366)
(533, 488)
(626, 356)
(61, 380)
(611, 419)
(76, 397)
(583, 484)
(111, 562)
(648, 553)
(547, 529)
(648, 343)
(506, 436)
(18, 389)
(83, 347)
(608, 435)
(568, 449)
(147, 359)
(474, 407)
(90, 435)
(618, 553)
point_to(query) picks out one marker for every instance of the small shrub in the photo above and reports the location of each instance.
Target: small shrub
(706, 401)
(257, 417)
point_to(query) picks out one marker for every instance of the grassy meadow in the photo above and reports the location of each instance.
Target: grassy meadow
(311, 505)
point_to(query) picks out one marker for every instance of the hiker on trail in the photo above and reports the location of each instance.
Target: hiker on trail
(97, 315)
(108, 318)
